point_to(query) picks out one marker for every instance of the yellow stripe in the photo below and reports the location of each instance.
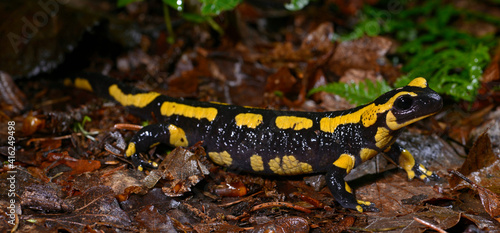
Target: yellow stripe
(172, 108)
(293, 122)
(137, 100)
(328, 124)
(367, 115)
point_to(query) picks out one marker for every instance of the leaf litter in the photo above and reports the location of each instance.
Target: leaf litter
(71, 183)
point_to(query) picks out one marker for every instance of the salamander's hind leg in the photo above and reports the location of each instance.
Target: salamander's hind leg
(343, 193)
(405, 160)
(149, 137)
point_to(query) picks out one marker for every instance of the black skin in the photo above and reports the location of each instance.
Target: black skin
(312, 146)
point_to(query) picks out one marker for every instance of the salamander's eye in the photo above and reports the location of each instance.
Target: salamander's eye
(403, 102)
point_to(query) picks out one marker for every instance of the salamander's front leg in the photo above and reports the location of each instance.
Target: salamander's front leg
(405, 160)
(149, 137)
(340, 189)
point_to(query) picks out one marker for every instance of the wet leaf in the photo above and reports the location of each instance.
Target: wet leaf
(151, 220)
(215, 7)
(489, 199)
(296, 5)
(44, 198)
(78, 166)
(95, 205)
(480, 156)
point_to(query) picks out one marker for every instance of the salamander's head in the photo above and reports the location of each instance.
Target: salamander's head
(405, 105)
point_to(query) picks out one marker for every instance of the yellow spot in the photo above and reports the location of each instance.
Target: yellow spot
(289, 166)
(222, 158)
(154, 164)
(382, 138)
(348, 188)
(406, 161)
(359, 208)
(172, 108)
(83, 84)
(130, 149)
(418, 82)
(346, 162)
(137, 100)
(140, 168)
(251, 120)
(177, 136)
(367, 153)
(154, 144)
(80, 83)
(422, 177)
(256, 163)
(293, 122)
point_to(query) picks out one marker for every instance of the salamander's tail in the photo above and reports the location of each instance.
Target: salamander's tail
(100, 84)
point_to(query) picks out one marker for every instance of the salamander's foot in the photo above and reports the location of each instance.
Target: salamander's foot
(422, 173)
(137, 160)
(366, 206)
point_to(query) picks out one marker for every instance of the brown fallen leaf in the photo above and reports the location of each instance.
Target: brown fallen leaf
(489, 199)
(181, 169)
(481, 155)
(78, 166)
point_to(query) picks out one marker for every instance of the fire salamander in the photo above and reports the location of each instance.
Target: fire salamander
(272, 142)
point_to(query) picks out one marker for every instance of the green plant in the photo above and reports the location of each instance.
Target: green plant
(356, 93)
(451, 60)
(207, 9)
(80, 127)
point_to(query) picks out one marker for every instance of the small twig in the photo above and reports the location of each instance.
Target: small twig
(316, 203)
(52, 138)
(428, 224)
(127, 126)
(240, 200)
(457, 173)
(281, 204)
